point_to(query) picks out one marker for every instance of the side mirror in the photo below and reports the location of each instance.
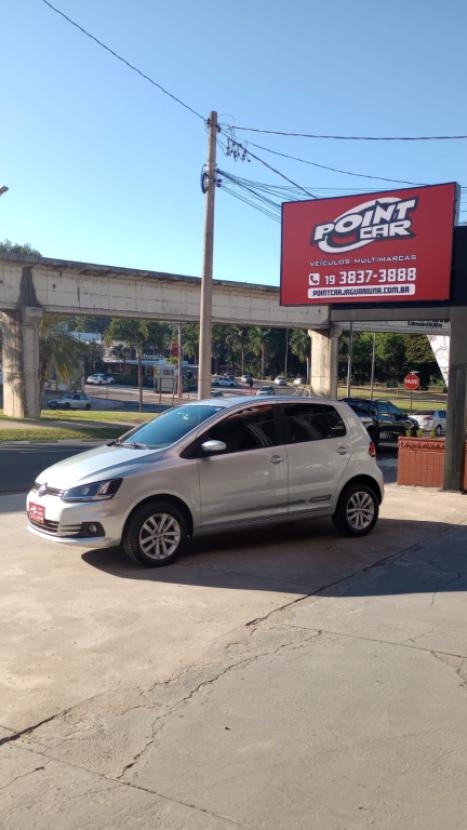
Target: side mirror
(212, 447)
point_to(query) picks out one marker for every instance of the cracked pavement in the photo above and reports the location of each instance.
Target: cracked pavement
(292, 679)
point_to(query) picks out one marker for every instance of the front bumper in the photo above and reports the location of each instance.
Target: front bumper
(74, 541)
(63, 521)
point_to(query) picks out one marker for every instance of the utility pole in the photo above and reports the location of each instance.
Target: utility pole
(180, 363)
(205, 320)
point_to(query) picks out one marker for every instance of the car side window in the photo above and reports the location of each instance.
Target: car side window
(382, 409)
(361, 407)
(312, 422)
(251, 429)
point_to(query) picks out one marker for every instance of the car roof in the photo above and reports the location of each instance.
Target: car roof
(238, 400)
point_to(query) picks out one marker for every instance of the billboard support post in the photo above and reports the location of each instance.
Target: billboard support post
(349, 359)
(454, 454)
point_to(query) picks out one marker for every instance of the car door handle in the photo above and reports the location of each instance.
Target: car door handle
(276, 459)
(342, 450)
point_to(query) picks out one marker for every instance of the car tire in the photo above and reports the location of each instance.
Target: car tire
(88, 406)
(438, 431)
(141, 542)
(357, 510)
(66, 406)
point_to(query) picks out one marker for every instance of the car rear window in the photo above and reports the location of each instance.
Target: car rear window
(312, 422)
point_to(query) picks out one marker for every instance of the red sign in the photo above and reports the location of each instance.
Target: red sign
(391, 246)
(174, 349)
(412, 381)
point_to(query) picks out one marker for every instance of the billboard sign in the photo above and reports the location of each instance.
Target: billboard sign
(391, 246)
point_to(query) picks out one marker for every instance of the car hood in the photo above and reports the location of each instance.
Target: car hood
(96, 464)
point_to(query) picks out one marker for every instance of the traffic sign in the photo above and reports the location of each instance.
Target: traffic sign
(412, 381)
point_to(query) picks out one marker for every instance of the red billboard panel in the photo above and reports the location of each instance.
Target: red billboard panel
(392, 246)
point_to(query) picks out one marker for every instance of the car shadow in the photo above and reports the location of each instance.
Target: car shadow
(309, 556)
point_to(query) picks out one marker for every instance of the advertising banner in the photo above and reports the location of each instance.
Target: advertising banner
(440, 347)
(391, 246)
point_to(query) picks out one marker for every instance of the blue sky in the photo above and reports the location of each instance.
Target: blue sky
(104, 168)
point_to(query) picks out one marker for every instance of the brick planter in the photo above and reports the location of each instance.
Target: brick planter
(421, 462)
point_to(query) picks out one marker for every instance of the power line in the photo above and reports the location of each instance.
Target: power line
(352, 137)
(250, 189)
(334, 169)
(242, 198)
(232, 143)
(124, 60)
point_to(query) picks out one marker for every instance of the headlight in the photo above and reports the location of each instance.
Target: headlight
(97, 491)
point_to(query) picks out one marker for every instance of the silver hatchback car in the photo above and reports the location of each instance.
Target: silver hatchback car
(212, 465)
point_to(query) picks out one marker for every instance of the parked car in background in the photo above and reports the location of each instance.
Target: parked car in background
(246, 377)
(266, 390)
(432, 421)
(390, 422)
(71, 400)
(228, 463)
(280, 380)
(100, 379)
(299, 381)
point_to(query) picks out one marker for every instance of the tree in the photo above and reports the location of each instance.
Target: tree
(390, 351)
(237, 340)
(419, 356)
(137, 334)
(300, 345)
(7, 247)
(57, 349)
(191, 340)
(259, 339)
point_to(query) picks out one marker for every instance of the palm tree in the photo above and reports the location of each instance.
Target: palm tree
(300, 345)
(258, 343)
(57, 348)
(236, 341)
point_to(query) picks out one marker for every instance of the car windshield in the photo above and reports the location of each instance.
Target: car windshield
(170, 426)
(394, 409)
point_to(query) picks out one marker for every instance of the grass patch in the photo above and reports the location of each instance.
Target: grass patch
(30, 433)
(109, 416)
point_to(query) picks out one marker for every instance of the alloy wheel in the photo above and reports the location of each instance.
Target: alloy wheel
(360, 510)
(159, 536)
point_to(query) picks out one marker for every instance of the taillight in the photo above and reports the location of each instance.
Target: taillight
(372, 449)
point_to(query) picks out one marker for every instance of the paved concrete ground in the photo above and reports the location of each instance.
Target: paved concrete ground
(294, 680)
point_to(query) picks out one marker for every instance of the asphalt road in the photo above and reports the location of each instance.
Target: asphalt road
(20, 465)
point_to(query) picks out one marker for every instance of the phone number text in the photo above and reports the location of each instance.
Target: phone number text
(380, 275)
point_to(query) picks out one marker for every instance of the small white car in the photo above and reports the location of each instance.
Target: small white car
(280, 380)
(226, 383)
(432, 421)
(71, 400)
(212, 466)
(100, 379)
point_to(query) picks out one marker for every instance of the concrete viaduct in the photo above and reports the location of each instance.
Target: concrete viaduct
(30, 286)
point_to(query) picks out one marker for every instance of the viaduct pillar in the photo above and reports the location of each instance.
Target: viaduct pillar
(324, 351)
(21, 382)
